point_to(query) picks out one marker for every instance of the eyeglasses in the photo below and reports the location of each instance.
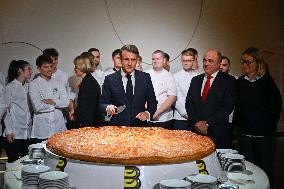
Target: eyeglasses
(189, 61)
(246, 62)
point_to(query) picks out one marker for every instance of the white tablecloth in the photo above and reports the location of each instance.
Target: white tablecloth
(258, 180)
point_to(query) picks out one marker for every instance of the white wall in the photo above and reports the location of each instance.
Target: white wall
(73, 26)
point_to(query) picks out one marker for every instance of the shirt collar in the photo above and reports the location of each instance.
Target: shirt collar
(17, 82)
(254, 79)
(213, 75)
(123, 74)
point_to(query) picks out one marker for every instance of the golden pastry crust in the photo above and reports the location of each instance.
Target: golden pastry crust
(130, 145)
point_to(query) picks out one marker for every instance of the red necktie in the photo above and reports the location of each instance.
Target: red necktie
(206, 88)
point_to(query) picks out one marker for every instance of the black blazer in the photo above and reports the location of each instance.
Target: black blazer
(216, 108)
(87, 112)
(113, 93)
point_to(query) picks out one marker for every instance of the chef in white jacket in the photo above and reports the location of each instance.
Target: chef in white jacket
(17, 118)
(183, 79)
(2, 100)
(48, 97)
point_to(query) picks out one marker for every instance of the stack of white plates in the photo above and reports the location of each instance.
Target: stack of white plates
(175, 184)
(232, 162)
(223, 151)
(30, 175)
(53, 179)
(201, 181)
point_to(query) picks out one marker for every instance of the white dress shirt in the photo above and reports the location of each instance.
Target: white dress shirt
(164, 86)
(183, 80)
(211, 81)
(48, 119)
(124, 80)
(18, 117)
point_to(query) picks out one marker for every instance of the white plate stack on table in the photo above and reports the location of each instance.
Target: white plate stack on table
(175, 184)
(202, 181)
(54, 179)
(30, 175)
(231, 161)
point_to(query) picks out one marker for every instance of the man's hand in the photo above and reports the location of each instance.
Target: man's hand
(143, 116)
(10, 137)
(185, 116)
(201, 127)
(111, 109)
(48, 101)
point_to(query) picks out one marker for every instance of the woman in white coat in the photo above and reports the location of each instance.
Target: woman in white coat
(18, 117)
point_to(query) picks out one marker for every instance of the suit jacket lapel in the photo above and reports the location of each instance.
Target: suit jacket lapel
(214, 85)
(199, 92)
(119, 84)
(137, 83)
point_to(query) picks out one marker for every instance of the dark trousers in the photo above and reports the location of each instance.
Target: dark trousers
(18, 148)
(260, 151)
(36, 140)
(182, 125)
(165, 125)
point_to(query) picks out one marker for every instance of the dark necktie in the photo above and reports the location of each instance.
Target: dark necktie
(206, 88)
(129, 88)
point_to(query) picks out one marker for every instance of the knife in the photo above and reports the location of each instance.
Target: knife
(119, 109)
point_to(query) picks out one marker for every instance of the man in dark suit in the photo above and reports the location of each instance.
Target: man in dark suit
(131, 88)
(211, 99)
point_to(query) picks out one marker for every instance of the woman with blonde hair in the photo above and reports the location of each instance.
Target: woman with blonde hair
(257, 111)
(87, 112)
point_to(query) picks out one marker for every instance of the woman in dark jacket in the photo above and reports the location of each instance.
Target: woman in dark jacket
(257, 111)
(87, 112)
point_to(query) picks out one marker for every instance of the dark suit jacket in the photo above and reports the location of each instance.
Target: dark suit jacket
(113, 93)
(216, 108)
(87, 112)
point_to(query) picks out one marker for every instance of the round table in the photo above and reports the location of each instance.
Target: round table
(258, 179)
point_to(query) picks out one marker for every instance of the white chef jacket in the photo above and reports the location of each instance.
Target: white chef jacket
(183, 80)
(48, 119)
(18, 117)
(63, 77)
(99, 76)
(2, 100)
(164, 86)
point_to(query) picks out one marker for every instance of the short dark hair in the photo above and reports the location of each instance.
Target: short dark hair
(159, 51)
(167, 56)
(93, 49)
(115, 52)
(51, 52)
(224, 57)
(43, 59)
(129, 48)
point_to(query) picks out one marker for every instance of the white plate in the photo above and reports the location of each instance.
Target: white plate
(232, 156)
(201, 178)
(174, 183)
(227, 151)
(38, 145)
(53, 175)
(35, 168)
